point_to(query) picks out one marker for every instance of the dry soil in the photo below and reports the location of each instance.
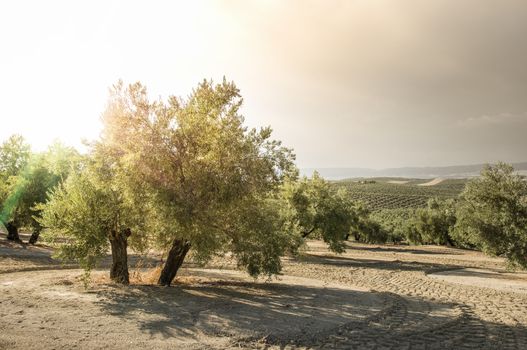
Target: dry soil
(371, 297)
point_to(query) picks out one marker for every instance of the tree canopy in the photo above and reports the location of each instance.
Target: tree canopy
(492, 213)
(211, 181)
(318, 209)
(26, 178)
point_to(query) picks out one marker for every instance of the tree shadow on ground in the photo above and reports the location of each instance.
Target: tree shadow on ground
(394, 265)
(304, 316)
(40, 256)
(403, 250)
(248, 310)
(520, 275)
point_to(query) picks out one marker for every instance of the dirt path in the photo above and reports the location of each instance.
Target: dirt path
(432, 182)
(499, 280)
(371, 297)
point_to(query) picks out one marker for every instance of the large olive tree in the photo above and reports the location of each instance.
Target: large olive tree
(212, 177)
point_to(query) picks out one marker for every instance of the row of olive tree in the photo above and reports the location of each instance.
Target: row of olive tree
(489, 215)
(25, 179)
(186, 174)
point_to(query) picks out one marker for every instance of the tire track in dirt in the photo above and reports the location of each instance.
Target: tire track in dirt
(414, 311)
(427, 313)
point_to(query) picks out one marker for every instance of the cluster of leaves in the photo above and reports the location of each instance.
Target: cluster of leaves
(431, 225)
(317, 209)
(320, 210)
(492, 214)
(435, 223)
(395, 222)
(14, 160)
(90, 204)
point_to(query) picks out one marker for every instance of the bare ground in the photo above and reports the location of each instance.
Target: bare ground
(433, 182)
(371, 297)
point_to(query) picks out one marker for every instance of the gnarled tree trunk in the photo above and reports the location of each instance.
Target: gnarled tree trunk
(119, 269)
(308, 232)
(34, 236)
(176, 255)
(12, 232)
(448, 241)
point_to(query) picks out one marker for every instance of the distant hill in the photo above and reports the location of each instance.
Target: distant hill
(456, 171)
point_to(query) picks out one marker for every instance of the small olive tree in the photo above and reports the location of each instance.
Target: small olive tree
(435, 223)
(318, 209)
(47, 170)
(93, 210)
(492, 214)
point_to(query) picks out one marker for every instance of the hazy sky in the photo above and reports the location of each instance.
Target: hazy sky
(345, 83)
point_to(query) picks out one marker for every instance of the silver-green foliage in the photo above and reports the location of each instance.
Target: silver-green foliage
(26, 178)
(318, 209)
(492, 214)
(212, 177)
(83, 211)
(79, 212)
(434, 224)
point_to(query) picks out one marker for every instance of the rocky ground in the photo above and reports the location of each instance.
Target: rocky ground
(371, 297)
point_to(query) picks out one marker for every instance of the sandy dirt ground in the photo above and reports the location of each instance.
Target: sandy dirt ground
(500, 280)
(371, 297)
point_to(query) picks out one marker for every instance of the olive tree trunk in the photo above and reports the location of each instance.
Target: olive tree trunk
(175, 258)
(34, 236)
(119, 243)
(12, 232)
(308, 232)
(448, 241)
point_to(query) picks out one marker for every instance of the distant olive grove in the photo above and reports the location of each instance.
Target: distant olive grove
(186, 175)
(490, 215)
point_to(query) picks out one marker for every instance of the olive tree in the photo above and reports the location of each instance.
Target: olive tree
(213, 178)
(492, 214)
(435, 223)
(48, 170)
(318, 209)
(93, 210)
